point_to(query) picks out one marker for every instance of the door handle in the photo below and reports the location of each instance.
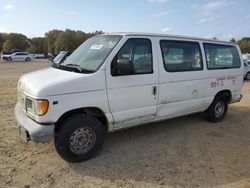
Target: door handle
(154, 90)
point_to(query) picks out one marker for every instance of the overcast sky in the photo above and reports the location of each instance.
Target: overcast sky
(223, 19)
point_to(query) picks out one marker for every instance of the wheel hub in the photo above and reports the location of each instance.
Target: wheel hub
(219, 109)
(82, 140)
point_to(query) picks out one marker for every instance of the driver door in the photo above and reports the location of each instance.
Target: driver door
(133, 97)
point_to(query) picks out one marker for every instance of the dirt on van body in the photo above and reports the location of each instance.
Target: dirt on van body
(182, 152)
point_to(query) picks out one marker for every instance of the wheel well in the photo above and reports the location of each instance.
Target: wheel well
(225, 93)
(93, 111)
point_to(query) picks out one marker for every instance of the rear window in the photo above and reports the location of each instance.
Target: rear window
(221, 56)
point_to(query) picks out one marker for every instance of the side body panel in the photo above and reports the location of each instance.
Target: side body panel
(187, 92)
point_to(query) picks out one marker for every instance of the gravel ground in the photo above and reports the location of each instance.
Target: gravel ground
(182, 152)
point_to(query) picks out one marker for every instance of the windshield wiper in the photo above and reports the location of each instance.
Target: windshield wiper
(72, 66)
(75, 66)
(78, 67)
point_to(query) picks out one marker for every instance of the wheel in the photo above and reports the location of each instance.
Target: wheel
(217, 110)
(247, 76)
(80, 138)
(9, 59)
(27, 59)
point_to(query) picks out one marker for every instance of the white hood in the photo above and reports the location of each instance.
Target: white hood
(52, 81)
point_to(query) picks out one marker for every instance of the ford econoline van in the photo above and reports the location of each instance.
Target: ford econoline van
(119, 80)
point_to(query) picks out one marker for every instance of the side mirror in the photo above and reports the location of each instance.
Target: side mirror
(124, 67)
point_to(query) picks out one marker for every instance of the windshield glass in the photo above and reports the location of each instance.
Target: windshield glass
(92, 53)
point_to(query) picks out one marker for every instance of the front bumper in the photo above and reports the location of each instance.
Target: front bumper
(31, 130)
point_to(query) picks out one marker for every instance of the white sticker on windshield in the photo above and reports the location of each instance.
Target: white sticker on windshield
(96, 46)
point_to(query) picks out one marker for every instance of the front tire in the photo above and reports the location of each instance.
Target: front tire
(9, 59)
(217, 110)
(80, 138)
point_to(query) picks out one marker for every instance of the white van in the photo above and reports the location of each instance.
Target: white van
(119, 80)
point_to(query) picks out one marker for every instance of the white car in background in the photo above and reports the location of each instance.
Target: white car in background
(18, 56)
(246, 57)
(247, 71)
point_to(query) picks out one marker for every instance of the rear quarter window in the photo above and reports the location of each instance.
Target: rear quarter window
(219, 56)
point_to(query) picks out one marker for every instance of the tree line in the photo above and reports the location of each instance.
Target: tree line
(244, 44)
(53, 42)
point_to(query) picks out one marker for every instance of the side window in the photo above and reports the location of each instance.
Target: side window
(181, 56)
(221, 56)
(138, 54)
(20, 53)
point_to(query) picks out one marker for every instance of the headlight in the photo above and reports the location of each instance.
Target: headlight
(37, 107)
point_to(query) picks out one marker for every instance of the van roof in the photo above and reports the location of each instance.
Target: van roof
(169, 36)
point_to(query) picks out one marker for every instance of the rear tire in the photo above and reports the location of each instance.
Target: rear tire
(217, 110)
(80, 138)
(27, 59)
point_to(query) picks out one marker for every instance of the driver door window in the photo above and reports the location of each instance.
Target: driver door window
(138, 52)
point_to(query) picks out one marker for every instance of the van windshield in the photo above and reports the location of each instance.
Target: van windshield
(90, 55)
